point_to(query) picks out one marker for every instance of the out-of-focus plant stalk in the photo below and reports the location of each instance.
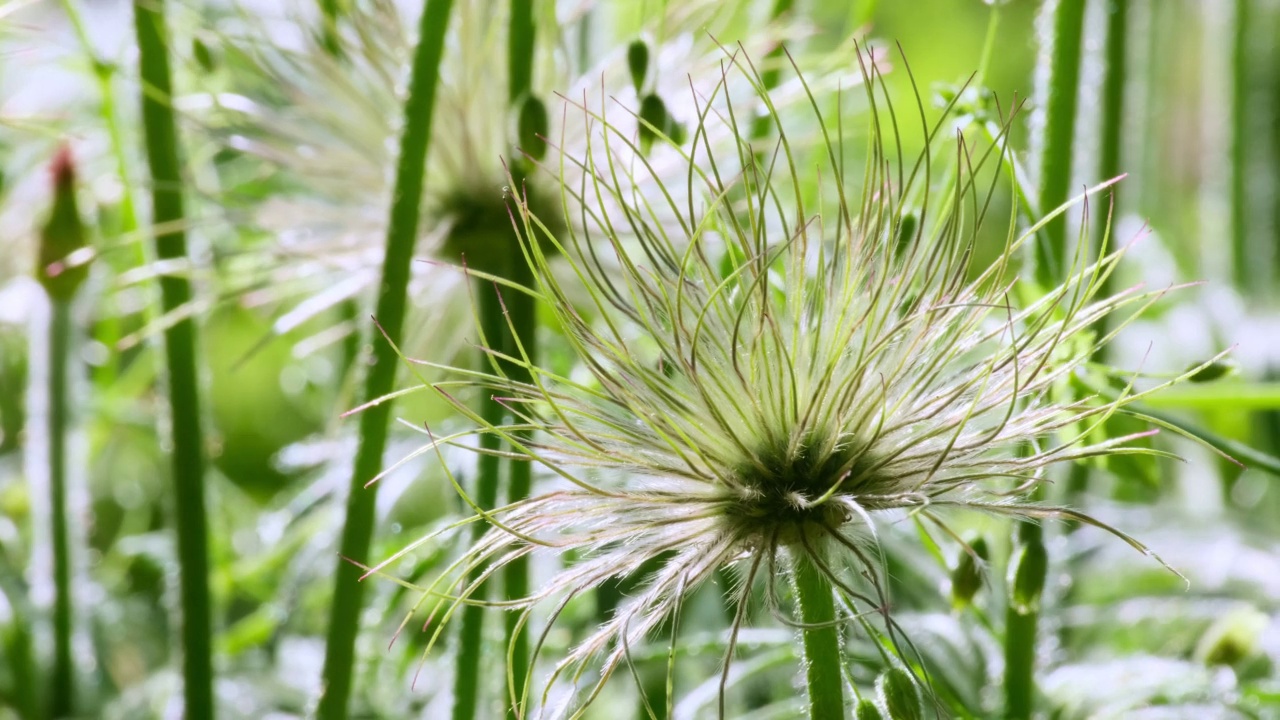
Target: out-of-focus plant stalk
(466, 680)
(1063, 81)
(61, 276)
(823, 660)
(1022, 619)
(1244, 275)
(1110, 133)
(161, 138)
(1111, 120)
(522, 311)
(402, 231)
(1066, 28)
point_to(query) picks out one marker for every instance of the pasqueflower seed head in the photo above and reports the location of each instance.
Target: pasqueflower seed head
(767, 373)
(319, 128)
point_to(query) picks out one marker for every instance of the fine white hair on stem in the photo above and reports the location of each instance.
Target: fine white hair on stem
(773, 360)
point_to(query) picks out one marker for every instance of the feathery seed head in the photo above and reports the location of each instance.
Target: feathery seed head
(777, 357)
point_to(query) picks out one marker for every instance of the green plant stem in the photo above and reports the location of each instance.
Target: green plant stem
(1019, 657)
(524, 324)
(521, 338)
(1059, 133)
(1239, 202)
(63, 681)
(1021, 635)
(402, 231)
(466, 688)
(520, 43)
(1110, 134)
(180, 357)
(1111, 123)
(822, 658)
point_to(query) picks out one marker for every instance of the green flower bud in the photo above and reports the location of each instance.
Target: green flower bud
(906, 232)
(867, 710)
(653, 116)
(638, 62)
(1232, 638)
(532, 128)
(899, 695)
(203, 55)
(1029, 572)
(967, 575)
(63, 235)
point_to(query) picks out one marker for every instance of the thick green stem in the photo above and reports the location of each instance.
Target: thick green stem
(63, 686)
(1111, 122)
(823, 661)
(1240, 251)
(524, 323)
(520, 43)
(1019, 658)
(1022, 619)
(466, 688)
(1110, 134)
(402, 231)
(180, 357)
(1059, 132)
(521, 40)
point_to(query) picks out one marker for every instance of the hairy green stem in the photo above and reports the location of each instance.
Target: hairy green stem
(1059, 132)
(1066, 29)
(402, 231)
(524, 324)
(1019, 657)
(823, 660)
(1022, 619)
(180, 358)
(522, 337)
(1111, 122)
(520, 42)
(466, 687)
(1241, 256)
(1110, 134)
(63, 683)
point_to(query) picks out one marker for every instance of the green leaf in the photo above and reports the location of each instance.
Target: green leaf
(967, 575)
